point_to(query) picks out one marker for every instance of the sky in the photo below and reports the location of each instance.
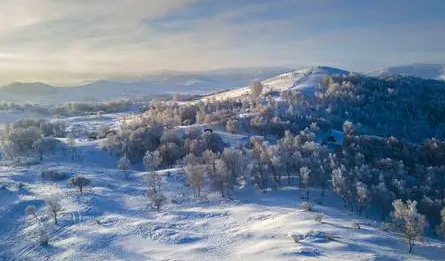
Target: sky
(66, 42)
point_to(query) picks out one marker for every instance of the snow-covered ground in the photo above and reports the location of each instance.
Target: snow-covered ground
(113, 220)
(305, 80)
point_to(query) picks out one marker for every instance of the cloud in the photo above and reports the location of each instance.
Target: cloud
(69, 41)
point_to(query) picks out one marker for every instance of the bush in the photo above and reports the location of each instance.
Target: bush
(330, 236)
(42, 237)
(307, 206)
(319, 218)
(157, 199)
(297, 238)
(79, 182)
(31, 210)
(54, 175)
(355, 225)
(386, 226)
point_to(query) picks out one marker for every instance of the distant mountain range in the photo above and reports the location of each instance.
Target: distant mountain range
(147, 85)
(427, 71)
(165, 82)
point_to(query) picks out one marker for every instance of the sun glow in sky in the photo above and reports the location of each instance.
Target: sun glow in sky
(70, 41)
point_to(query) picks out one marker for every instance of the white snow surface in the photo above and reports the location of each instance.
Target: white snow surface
(112, 218)
(305, 80)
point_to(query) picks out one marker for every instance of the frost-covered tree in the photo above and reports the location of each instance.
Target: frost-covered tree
(343, 185)
(209, 158)
(232, 126)
(18, 142)
(256, 88)
(382, 197)
(287, 154)
(71, 139)
(79, 182)
(221, 178)
(45, 145)
(195, 178)
(53, 206)
(441, 228)
(235, 161)
(124, 164)
(363, 197)
(408, 221)
(305, 179)
(152, 160)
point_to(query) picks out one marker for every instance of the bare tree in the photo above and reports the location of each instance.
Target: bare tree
(53, 206)
(408, 221)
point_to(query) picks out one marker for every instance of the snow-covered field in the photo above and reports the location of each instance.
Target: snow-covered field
(113, 220)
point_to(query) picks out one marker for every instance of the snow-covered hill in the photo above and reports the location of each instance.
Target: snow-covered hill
(427, 71)
(304, 80)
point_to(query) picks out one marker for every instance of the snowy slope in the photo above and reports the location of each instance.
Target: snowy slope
(111, 220)
(304, 80)
(427, 71)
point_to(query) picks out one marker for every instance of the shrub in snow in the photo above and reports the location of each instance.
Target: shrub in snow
(296, 237)
(307, 206)
(54, 175)
(4, 186)
(53, 207)
(157, 200)
(124, 164)
(21, 185)
(319, 218)
(330, 236)
(42, 237)
(408, 221)
(31, 210)
(355, 225)
(79, 182)
(313, 236)
(385, 226)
